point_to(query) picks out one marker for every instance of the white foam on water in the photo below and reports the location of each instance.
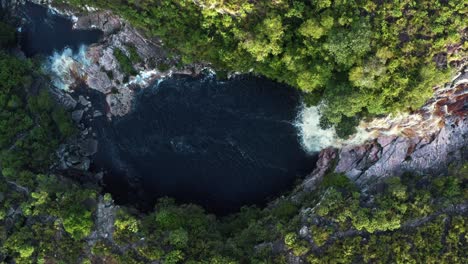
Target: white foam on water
(158, 82)
(313, 138)
(63, 65)
(143, 78)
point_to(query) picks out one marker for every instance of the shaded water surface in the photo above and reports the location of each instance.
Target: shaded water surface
(219, 144)
(45, 32)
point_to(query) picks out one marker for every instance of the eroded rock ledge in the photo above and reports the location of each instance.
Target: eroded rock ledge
(98, 66)
(424, 142)
(105, 74)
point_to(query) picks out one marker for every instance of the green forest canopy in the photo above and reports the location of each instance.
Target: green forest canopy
(45, 218)
(360, 57)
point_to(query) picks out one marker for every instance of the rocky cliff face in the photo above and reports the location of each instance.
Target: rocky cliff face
(97, 65)
(100, 69)
(426, 141)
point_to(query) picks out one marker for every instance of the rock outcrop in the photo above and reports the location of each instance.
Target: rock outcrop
(425, 142)
(77, 152)
(99, 67)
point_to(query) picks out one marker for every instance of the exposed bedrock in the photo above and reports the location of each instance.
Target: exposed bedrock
(100, 67)
(425, 142)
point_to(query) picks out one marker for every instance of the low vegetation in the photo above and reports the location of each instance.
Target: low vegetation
(125, 62)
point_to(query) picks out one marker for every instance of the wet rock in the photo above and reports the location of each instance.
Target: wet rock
(88, 147)
(325, 161)
(100, 69)
(83, 165)
(77, 115)
(12, 4)
(73, 160)
(83, 101)
(121, 103)
(99, 176)
(63, 98)
(97, 113)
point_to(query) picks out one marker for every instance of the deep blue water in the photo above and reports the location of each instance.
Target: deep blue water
(44, 32)
(219, 144)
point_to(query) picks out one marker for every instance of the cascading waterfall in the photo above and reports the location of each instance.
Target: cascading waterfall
(312, 137)
(428, 120)
(66, 65)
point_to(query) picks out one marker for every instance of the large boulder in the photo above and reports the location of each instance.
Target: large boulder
(105, 21)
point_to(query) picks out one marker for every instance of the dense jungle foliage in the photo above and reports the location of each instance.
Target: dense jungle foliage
(360, 57)
(45, 218)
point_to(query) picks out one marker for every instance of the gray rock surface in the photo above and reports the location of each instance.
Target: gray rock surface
(105, 21)
(82, 100)
(88, 147)
(77, 115)
(76, 153)
(83, 165)
(104, 220)
(368, 163)
(325, 161)
(63, 98)
(97, 113)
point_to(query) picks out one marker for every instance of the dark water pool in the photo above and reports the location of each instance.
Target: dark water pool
(45, 32)
(218, 144)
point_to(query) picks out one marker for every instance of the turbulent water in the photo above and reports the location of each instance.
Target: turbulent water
(61, 66)
(313, 137)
